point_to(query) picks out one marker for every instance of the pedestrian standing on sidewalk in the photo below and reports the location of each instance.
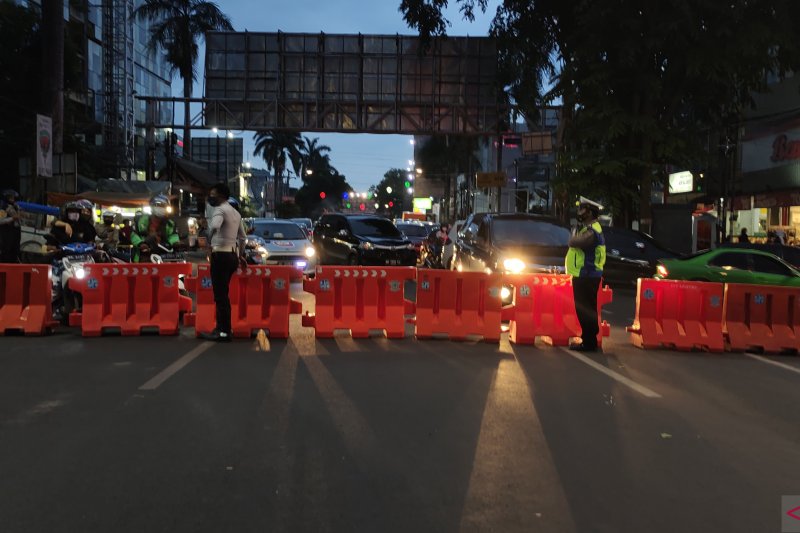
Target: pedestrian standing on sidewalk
(584, 262)
(227, 243)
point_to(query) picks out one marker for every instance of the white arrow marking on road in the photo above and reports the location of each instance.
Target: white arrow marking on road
(105, 272)
(337, 273)
(374, 273)
(641, 389)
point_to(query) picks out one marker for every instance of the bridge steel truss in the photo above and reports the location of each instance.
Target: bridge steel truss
(352, 83)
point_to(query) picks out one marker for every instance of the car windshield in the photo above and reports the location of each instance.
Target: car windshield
(276, 231)
(414, 230)
(303, 221)
(528, 232)
(374, 227)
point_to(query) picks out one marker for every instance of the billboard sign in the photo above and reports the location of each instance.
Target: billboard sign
(681, 182)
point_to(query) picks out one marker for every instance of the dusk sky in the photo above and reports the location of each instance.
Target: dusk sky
(362, 158)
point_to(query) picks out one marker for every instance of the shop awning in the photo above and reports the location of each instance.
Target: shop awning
(108, 199)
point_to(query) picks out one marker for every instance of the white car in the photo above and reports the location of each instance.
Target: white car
(284, 243)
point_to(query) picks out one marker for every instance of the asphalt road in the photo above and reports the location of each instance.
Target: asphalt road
(172, 434)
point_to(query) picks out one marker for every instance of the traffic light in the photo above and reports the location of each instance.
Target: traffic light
(348, 205)
(362, 207)
(407, 184)
(391, 204)
(699, 182)
(322, 195)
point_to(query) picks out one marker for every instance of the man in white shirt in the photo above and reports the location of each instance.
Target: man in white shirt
(227, 243)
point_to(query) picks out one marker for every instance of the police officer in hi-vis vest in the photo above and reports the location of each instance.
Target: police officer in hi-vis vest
(585, 260)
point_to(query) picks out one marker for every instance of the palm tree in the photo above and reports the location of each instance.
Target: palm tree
(276, 147)
(177, 27)
(315, 158)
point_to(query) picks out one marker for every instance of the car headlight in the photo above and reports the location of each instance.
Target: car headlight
(411, 246)
(514, 265)
(365, 246)
(263, 251)
(310, 251)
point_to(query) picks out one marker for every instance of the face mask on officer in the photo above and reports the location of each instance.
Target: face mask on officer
(584, 214)
(214, 201)
(160, 212)
(73, 216)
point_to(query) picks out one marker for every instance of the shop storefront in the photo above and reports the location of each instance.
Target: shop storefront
(769, 194)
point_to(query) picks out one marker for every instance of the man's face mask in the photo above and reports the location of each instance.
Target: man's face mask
(214, 201)
(160, 212)
(74, 217)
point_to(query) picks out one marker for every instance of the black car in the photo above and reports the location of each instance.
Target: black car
(630, 255)
(416, 232)
(790, 254)
(512, 243)
(362, 240)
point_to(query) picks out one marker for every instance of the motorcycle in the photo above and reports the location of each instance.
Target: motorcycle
(435, 252)
(69, 261)
(167, 254)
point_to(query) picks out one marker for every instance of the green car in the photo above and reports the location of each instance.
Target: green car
(730, 265)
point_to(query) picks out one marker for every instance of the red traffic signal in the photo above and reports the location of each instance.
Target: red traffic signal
(362, 207)
(322, 195)
(391, 204)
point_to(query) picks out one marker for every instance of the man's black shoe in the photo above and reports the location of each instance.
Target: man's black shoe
(217, 336)
(583, 348)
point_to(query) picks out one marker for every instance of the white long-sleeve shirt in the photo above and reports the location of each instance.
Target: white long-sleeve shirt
(225, 228)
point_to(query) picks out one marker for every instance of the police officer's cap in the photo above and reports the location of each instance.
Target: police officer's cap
(594, 207)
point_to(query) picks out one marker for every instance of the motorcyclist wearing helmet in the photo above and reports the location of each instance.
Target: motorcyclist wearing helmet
(156, 228)
(107, 230)
(75, 224)
(10, 228)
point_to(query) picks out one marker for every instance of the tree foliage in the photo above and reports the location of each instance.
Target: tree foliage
(643, 84)
(393, 179)
(319, 176)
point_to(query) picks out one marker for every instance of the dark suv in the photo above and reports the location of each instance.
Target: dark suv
(511, 243)
(362, 240)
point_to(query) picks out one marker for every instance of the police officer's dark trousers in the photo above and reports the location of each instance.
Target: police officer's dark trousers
(584, 291)
(223, 267)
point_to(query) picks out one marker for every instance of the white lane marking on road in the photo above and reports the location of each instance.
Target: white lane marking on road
(175, 367)
(790, 368)
(641, 389)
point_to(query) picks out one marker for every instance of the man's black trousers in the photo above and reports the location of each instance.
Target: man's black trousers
(584, 290)
(223, 267)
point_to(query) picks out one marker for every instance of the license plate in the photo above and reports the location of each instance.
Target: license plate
(393, 262)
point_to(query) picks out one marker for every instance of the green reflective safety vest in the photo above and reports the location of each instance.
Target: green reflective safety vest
(588, 263)
(167, 233)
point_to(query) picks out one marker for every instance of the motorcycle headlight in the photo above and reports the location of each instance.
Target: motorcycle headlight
(514, 265)
(263, 251)
(80, 273)
(310, 251)
(505, 293)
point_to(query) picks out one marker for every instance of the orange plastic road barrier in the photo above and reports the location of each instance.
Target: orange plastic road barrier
(762, 317)
(545, 307)
(359, 299)
(684, 315)
(130, 298)
(25, 299)
(458, 304)
(260, 300)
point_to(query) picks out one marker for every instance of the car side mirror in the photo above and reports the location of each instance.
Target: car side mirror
(468, 235)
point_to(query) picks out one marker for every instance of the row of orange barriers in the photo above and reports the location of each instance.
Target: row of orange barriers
(686, 315)
(458, 305)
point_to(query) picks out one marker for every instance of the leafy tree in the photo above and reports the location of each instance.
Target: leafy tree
(643, 85)
(177, 27)
(315, 158)
(394, 179)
